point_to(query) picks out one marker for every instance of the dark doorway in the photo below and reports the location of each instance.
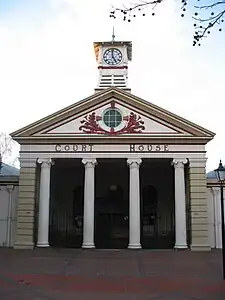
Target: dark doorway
(157, 204)
(112, 204)
(66, 203)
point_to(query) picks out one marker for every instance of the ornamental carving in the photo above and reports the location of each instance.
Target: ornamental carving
(134, 124)
(112, 123)
(90, 124)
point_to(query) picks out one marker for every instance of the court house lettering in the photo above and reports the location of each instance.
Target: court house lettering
(110, 148)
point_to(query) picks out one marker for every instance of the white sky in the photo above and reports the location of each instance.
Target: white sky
(47, 62)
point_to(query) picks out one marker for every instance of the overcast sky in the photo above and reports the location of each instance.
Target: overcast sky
(47, 62)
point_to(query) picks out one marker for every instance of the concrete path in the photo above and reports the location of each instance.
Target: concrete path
(52, 274)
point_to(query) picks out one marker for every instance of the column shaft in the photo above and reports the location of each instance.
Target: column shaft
(9, 217)
(180, 205)
(89, 198)
(134, 207)
(44, 201)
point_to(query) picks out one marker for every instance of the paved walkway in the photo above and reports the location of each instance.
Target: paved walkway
(52, 274)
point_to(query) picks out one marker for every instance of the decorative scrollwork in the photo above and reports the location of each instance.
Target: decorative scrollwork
(133, 124)
(90, 124)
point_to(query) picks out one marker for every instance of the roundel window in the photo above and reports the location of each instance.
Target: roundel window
(112, 118)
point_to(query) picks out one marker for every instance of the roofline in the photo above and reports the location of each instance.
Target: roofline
(9, 179)
(117, 140)
(113, 42)
(212, 182)
(145, 103)
(17, 132)
(211, 133)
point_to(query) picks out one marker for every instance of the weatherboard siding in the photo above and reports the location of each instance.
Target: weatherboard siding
(198, 207)
(26, 207)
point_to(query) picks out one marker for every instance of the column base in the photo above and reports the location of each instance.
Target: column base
(134, 246)
(42, 245)
(181, 247)
(88, 246)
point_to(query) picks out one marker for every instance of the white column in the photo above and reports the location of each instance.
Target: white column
(134, 206)
(217, 209)
(44, 201)
(9, 217)
(180, 205)
(89, 198)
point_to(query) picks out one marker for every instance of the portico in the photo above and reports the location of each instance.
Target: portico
(131, 167)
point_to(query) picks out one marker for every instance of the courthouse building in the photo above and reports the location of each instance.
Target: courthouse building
(113, 171)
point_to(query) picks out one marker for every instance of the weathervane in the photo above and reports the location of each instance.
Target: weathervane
(113, 35)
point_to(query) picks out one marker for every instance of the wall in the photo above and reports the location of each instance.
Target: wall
(26, 205)
(214, 216)
(8, 209)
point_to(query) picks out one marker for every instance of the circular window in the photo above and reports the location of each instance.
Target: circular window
(112, 118)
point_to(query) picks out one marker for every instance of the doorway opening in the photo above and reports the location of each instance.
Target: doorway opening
(66, 203)
(157, 204)
(112, 204)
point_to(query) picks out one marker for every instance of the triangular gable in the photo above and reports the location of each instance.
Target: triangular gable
(154, 119)
(83, 124)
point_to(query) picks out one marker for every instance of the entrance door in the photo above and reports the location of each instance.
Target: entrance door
(111, 230)
(66, 203)
(66, 225)
(111, 204)
(149, 216)
(157, 230)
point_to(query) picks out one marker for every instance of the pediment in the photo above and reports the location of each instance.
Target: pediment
(112, 113)
(97, 120)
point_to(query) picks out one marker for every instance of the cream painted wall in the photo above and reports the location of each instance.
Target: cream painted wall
(214, 216)
(8, 209)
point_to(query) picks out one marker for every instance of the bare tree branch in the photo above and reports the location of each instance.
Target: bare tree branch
(140, 5)
(136, 7)
(7, 145)
(210, 5)
(211, 21)
(210, 14)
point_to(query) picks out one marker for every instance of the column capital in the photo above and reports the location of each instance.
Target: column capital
(215, 190)
(89, 162)
(45, 162)
(179, 162)
(10, 188)
(134, 162)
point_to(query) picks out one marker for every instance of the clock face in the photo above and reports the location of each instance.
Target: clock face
(112, 56)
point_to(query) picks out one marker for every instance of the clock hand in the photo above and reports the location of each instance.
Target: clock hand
(113, 57)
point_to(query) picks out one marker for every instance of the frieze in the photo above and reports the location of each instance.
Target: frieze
(112, 148)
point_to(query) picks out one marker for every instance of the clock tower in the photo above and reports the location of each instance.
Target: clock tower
(112, 58)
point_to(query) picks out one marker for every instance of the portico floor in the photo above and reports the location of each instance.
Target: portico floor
(52, 274)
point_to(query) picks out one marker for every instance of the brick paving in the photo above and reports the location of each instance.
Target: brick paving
(52, 274)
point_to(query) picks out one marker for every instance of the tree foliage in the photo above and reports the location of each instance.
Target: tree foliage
(207, 15)
(8, 147)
